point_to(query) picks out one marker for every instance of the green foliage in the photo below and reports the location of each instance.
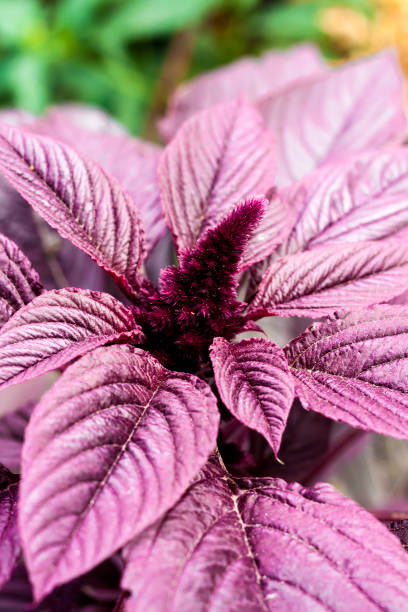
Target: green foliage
(111, 52)
(284, 24)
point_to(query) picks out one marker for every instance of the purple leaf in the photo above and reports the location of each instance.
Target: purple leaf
(76, 197)
(9, 540)
(88, 118)
(12, 428)
(218, 158)
(271, 232)
(255, 384)
(326, 119)
(250, 77)
(263, 544)
(58, 326)
(109, 449)
(131, 161)
(58, 261)
(321, 281)
(353, 367)
(362, 198)
(19, 282)
(18, 222)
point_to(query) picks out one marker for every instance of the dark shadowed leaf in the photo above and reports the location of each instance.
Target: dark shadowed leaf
(57, 327)
(9, 540)
(76, 197)
(18, 222)
(218, 158)
(263, 544)
(12, 428)
(249, 77)
(362, 198)
(110, 448)
(255, 384)
(353, 367)
(399, 527)
(348, 110)
(19, 282)
(321, 281)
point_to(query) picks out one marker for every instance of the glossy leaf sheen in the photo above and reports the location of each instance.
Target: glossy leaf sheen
(255, 384)
(78, 198)
(333, 116)
(219, 157)
(110, 448)
(131, 161)
(249, 77)
(19, 282)
(321, 281)
(362, 198)
(263, 544)
(57, 327)
(9, 540)
(353, 367)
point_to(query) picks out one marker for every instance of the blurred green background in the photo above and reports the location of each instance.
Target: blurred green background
(127, 55)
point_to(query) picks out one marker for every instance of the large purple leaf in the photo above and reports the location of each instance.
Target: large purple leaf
(131, 161)
(76, 197)
(219, 157)
(353, 367)
(255, 384)
(250, 77)
(9, 540)
(58, 261)
(19, 282)
(321, 281)
(362, 198)
(57, 327)
(262, 544)
(110, 448)
(326, 119)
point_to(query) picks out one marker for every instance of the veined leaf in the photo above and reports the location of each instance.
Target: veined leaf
(345, 111)
(321, 281)
(219, 157)
(110, 448)
(58, 326)
(76, 197)
(353, 367)
(131, 161)
(361, 198)
(263, 544)
(255, 384)
(19, 282)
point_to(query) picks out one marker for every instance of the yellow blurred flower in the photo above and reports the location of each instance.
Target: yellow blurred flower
(354, 34)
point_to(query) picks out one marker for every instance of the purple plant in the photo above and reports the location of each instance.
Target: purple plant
(158, 449)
